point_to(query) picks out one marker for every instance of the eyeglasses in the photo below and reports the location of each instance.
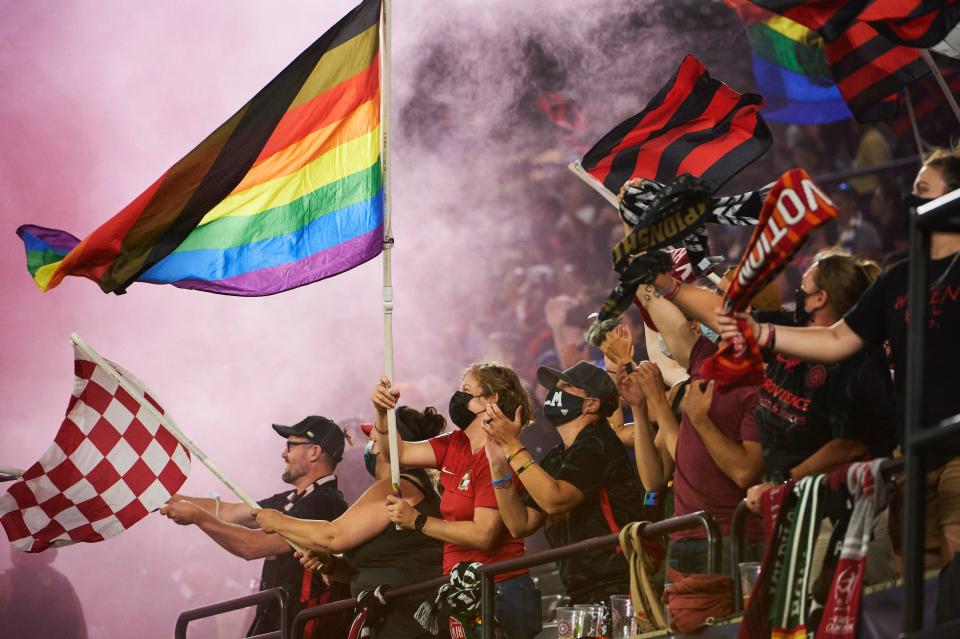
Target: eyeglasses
(291, 444)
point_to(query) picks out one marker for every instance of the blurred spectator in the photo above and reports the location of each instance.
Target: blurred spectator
(38, 601)
(857, 234)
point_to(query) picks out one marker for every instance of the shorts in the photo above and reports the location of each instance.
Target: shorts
(942, 506)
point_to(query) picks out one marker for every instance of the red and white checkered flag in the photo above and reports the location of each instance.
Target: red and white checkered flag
(112, 462)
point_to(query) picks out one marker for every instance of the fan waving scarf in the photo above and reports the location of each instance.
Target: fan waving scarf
(284, 193)
(793, 208)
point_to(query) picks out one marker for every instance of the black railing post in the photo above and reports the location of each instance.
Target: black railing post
(212, 610)
(487, 595)
(914, 462)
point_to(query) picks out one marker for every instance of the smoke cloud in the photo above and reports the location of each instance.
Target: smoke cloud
(101, 97)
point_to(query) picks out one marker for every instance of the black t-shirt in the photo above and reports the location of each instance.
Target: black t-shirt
(320, 500)
(598, 466)
(803, 405)
(881, 315)
(398, 558)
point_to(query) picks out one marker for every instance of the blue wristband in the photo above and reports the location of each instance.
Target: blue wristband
(503, 481)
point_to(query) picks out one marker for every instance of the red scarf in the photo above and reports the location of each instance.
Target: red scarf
(793, 208)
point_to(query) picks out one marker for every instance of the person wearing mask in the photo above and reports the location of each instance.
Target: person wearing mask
(813, 417)
(314, 447)
(585, 487)
(881, 316)
(374, 552)
(471, 526)
(715, 449)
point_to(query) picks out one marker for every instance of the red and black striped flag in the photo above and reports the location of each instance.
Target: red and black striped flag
(913, 23)
(694, 124)
(868, 66)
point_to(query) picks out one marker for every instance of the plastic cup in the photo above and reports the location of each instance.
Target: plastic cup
(749, 571)
(588, 621)
(566, 621)
(622, 617)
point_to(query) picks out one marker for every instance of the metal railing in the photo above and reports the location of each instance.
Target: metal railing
(305, 615)
(655, 529)
(239, 603)
(490, 571)
(943, 214)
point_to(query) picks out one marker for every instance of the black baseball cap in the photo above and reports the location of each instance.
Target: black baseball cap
(322, 431)
(587, 376)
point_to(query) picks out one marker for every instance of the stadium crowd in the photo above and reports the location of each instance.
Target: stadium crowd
(625, 432)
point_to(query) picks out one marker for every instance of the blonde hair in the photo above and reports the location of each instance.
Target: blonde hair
(504, 381)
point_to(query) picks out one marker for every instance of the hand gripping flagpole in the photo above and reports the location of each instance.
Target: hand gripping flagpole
(168, 423)
(9, 473)
(387, 238)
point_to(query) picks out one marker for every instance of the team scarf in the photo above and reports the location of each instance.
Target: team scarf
(638, 197)
(793, 596)
(866, 486)
(794, 207)
(460, 599)
(777, 507)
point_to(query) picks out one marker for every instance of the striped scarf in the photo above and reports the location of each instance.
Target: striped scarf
(460, 599)
(793, 595)
(868, 490)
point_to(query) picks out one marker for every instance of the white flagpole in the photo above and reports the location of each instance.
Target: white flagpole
(385, 73)
(593, 183)
(10, 471)
(169, 424)
(925, 54)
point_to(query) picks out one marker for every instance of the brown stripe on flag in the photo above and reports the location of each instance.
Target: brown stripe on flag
(237, 143)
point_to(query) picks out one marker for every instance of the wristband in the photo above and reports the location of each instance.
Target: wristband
(420, 522)
(527, 464)
(503, 482)
(773, 338)
(216, 511)
(382, 432)
(515, 453)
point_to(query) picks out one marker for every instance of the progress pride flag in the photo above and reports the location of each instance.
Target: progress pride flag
(794, 207)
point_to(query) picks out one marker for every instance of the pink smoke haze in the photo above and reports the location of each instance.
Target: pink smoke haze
(100, 97)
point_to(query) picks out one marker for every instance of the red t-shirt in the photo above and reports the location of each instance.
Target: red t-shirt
(465, 477)
(698, 483)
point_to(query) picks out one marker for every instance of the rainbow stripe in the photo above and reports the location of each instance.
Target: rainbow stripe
(286, 192)
(790, 69)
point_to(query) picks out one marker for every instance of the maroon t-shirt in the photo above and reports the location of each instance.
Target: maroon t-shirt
(698, 483)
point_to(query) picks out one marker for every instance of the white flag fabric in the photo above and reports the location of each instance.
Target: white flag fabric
(111, 463)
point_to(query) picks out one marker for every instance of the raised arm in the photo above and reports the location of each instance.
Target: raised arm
(520, 519)
(826, 344)
(552, 495)
(412, 454)
(230, 512)
(674, 327)
(482, 532)
(238, 540)
(695, 302)
(363, 521)
(671, 370)
(654, 463)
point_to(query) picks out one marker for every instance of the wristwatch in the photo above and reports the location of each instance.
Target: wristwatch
(420, 522)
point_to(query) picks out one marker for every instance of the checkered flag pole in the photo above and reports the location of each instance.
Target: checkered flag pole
(174, 430)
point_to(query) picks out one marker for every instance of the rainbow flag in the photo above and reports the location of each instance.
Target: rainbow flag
(790, 69)
(284, 193)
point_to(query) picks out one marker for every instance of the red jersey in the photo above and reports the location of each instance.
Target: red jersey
(465, 477)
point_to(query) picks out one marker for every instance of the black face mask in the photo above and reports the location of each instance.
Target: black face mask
(913, 202)
(801, 316)
(460, 414)
(561, 407)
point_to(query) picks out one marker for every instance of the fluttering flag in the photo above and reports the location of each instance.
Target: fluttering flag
(111, 463)
(694, 124)
(868, 67)
(284, 193)
(914, 23)
(794, 207)
(790, 69)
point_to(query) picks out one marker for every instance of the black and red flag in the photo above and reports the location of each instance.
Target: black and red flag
(873, 46)
(694, 124)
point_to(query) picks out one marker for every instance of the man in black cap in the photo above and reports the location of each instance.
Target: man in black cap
(585, 487)
(314, 447)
